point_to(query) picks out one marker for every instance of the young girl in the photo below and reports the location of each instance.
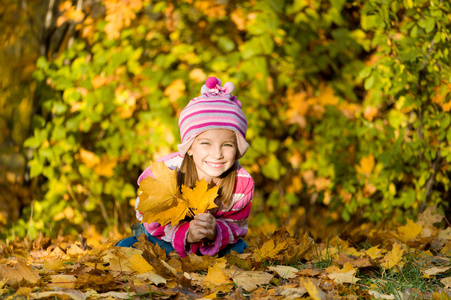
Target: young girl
(213, 130)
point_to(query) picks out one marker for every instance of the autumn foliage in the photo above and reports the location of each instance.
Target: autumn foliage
(275, 266)
(347, 102)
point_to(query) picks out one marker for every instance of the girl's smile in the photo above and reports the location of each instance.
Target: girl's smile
(214, 152)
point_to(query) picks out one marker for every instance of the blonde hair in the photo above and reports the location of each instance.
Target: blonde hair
(188, 176)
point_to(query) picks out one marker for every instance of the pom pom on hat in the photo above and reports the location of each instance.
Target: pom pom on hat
(212, 82)
(229, 87)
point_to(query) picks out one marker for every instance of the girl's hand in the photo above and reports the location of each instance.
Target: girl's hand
(209, 222)
(203, 226)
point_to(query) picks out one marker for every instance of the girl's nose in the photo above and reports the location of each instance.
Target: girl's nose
(217, 153)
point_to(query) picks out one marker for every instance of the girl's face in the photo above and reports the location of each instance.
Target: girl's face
(213, 152)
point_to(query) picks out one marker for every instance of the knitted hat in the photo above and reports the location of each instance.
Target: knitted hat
(216, 108)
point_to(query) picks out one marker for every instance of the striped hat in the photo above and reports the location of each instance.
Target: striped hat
(216, 108)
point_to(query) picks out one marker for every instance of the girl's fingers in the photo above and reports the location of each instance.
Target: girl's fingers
(204, 217)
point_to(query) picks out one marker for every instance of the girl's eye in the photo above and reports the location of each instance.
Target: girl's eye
(205, 143)
(228, 145)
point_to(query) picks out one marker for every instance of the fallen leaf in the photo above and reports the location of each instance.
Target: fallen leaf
(375, 252)
(410, 231)
(117, 295)
(53, 265)
(140, 265)
(152, 277)
(269, 250)
(446, 282)
(290, 292)
(62, 281)
(285, 272)
(430, 216)
(393, 257)
(75, 250)
(22, 271)
(445, 234)
(309, 272)
(341, 278)
(24, 291)
(215, 274)
(360, 262)
(194, 262)
(436, 270)
(378, 295)
(249, 280)
(315, 292)
(73, 294)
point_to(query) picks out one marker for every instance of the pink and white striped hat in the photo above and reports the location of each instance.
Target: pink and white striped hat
(216, 108)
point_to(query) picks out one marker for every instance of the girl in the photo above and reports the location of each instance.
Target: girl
(213, 130)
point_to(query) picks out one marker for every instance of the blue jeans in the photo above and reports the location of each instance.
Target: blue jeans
(239, 246)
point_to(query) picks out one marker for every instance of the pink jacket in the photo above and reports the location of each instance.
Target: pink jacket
(231, 222)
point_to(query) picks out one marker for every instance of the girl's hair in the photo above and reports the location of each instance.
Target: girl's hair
(188, 177)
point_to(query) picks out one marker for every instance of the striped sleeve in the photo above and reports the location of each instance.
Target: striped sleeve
(232, 224)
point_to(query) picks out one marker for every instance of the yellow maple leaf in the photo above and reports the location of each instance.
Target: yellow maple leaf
(215, 274)
(160, 200)
(269, 249)
(314, 292)
(375, 252)
(158, 196)
(140, 265)
(393, 257)
(344, 275)
(410, 231)
(200, 198)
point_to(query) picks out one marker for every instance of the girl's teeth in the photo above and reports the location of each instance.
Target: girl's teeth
(215, 165)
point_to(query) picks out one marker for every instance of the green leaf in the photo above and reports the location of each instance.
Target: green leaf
(370, 22)
(369, 82)
(338, 4)
(429, 25)
(226, 44)
(35, 168)
(273, 169)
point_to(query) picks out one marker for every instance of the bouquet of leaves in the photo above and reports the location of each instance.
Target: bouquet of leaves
(161, 201)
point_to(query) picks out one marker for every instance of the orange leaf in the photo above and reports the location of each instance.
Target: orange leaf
(197, 75)
(175, 90)
(366, 165)
(370, 113)
(90, 159)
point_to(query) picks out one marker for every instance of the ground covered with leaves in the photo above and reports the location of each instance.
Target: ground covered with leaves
(367, 262)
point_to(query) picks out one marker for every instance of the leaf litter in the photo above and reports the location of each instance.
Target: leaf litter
(275, 266)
